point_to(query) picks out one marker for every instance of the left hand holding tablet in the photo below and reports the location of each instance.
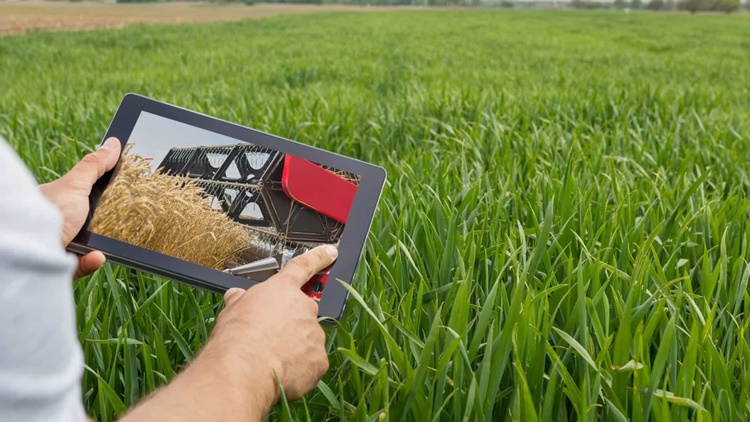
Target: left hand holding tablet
(70, 194)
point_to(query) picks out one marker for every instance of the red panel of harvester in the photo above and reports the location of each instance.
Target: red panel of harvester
(325, 192)
(315, 187)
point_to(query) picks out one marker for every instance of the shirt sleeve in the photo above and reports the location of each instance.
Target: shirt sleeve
(40, 357)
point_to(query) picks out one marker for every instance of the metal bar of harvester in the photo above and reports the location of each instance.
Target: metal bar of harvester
(264, 264)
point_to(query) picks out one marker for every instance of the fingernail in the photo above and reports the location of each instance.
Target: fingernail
(331, 250)
(109, 143)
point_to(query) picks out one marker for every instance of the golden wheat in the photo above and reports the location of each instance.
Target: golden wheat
(166, 214)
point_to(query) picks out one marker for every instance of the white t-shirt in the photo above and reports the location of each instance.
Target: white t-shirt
(41, 363)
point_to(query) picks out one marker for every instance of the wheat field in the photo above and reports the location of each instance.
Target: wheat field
(564, 231)
(152, 210)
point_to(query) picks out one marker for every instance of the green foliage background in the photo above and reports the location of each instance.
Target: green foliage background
(563, 235)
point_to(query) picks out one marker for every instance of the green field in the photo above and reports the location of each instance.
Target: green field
(564, 232)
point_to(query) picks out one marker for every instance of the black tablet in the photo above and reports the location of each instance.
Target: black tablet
(216, 205)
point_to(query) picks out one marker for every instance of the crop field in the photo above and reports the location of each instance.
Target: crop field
(564, 232)
(25, 16)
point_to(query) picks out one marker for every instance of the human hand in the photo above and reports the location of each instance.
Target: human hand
(275, 325)
(267, 333)
(70, 194)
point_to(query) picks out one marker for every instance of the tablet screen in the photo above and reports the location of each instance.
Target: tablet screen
(219, 202)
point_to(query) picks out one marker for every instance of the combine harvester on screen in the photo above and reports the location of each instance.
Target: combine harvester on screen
(287, 204)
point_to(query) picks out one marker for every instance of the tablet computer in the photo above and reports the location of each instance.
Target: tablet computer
(216, 205)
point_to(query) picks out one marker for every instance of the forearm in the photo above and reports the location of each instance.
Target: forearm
(216, 386)
(264, 336)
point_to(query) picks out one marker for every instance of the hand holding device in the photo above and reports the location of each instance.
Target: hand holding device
(266, 333)
(70, 194)
(279, 315)
(216, 205)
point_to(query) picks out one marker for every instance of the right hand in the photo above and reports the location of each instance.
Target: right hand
(274, 326)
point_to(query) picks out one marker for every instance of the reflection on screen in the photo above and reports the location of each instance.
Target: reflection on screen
(227, 205)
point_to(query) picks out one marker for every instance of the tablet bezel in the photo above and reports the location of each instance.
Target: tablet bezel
(353, 238)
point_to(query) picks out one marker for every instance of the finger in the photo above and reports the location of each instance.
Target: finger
(324, 364)
(89, 263)
(321, 337)
(301, 269)
(312, 306)
(95, 164)
(232, 295)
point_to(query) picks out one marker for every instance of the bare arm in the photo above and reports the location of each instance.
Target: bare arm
(215, 387)
(267, 332)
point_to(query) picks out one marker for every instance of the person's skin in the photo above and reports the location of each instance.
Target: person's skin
(265, 337)
(70, 194)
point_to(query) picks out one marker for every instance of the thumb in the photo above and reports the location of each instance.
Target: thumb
(94, 165)
(232, 295)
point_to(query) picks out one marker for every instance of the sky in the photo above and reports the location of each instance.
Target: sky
(154, 136)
